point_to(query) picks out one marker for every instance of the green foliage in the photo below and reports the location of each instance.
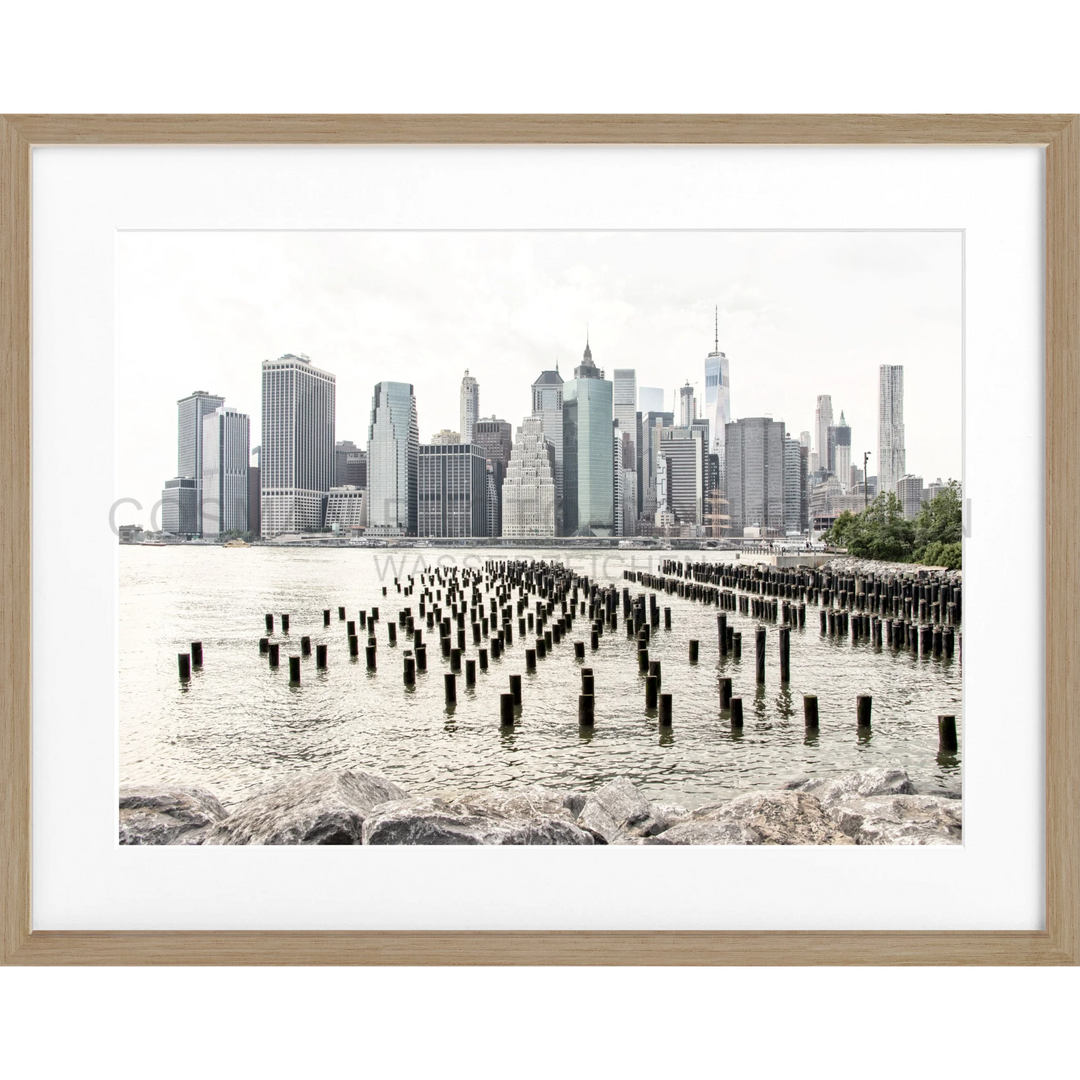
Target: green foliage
(881, 532)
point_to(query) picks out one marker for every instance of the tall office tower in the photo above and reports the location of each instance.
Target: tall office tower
(180, 506)
(350, 465)
(616, 482)
(652, 424)
(528, 491)
(841, 453)
(794, 486)
(588, 452)
(686, 405)
(298, 412)
(191, 411)
(804, 487)
(452, 490)
(686, 456)
(909, 489)
(822, 423)
(547, 406)
(393, 453)
(625, 411)
(892, 459)
(446, 437)
(254, 493)
(225, 457)
(804, 440)
(470, 406)
(496, 439)
(650, 399)
(717, 391)
(626, 475)
(755, 474)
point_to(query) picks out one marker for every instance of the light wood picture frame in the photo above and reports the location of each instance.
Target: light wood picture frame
(1059, 943)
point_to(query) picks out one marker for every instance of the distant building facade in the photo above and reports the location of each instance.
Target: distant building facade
(446, 437)
(588, 452)
(650, 399)
(547, 406)
(470, 406)
(225, 460)
(297, 448)
(754, 449)
(624, 409)
(452, 500)
(190, 413)
(180, 506)
(892, 457)
(909, 490)
(685, 453)
(496, 440)
(823, 420)
(350, 465)
(346, 509)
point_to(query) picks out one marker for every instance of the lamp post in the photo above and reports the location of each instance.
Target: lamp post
(865, 480)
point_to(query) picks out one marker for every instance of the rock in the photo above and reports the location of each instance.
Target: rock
(532, 800)
(314, 808)
(470, 821)
(850, 785)
(901, 819)
(616, 808)
(167, 815)
(762, 817)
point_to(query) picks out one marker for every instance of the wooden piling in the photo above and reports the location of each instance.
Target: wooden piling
(810, 711)
(369, 653)
(947, 743)
(184, 663)
(305, 645)
(725, 693)
(506, 710)
(284, 624)
(264, 645)
(760, 647)
(785, 654)
(196, 654)
(320, 656)
(862, 704)
(410, 668)
(693, 651)
(470, 672)
(482, 656)
(274, 653)
(294, 669)
(269, 623)
(421, 657)
(455, 660)
(652, 691)
(450, 688)
(665, 710)
(326, 617)
(515, 688)
(736, 713)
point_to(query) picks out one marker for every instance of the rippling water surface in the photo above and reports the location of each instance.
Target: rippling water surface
(239, 725)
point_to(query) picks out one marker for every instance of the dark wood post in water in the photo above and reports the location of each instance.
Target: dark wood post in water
(506, 710)
(693, 651)
(354, 645)
(594, 639)
(652, 691)
(269, 623)
(586, 709)
(410, 669)
(421, 657)
(810, 711)
(736, 645)
(450, 684)
(667, 618)
(947, 743)
(483, 657)
(515, 688)
(862, 705)
(643, 661)
(721, 632)
(320, 656)
(273, 654)
(350, 628)
(264, 645)
(455, 660)
(470, 672)
(326, 617)
(294, 669)
(196, 654)
(305, 645)
(184, 662)
(341, 614)
(530, 659)
(284, 624)
(785, 654)
(760, 643)
(369, 653)
(579, 650)
(736, 713)
(725, 693)
(588, 682)
(391, 633)
(665, 710)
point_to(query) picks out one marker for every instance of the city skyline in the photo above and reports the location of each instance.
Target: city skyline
(758, 388)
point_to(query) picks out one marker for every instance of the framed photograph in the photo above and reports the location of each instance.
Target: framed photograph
(648, 539)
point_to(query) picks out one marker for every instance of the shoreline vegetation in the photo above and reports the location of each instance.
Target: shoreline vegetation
(878, 806)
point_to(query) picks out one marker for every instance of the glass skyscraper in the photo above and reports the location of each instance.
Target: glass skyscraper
(225, 459)
(191, 411)
(393, 454)
(588, 452)
(297, 452)
(547, 406)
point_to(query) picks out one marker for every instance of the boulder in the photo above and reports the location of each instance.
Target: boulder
(314, 808)
(901, 819)
(618, 809)
(167, 815)
(469, 821)
(878, 781)
(761, 817)
(528, 801)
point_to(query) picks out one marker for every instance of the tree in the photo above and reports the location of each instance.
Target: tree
(879, 532)
(939, 529)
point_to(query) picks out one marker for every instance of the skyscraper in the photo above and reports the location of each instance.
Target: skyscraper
(588, 452)
(393, 453)
(470, 406)
(191, 411)
(452, 490)
(717, 391)
(225, 457)
(841, 466)
(297, 460)
(822, 423)
(255, 493)
(755, 474)
(547, 406)
(626, 476)
(685, 453)
(892, 459)
(652, 424)
(529, 486)
(350, 465)
(909, 490)
(686, 405)
(496, 440)
(625, 412)
(650, 399)
(180, 506)
(794, 486)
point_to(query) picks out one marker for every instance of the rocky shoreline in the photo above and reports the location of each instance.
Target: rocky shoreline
(875, 806)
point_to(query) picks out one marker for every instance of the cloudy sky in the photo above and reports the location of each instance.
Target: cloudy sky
(801, 314)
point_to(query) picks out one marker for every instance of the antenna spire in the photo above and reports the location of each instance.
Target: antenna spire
(716, 341)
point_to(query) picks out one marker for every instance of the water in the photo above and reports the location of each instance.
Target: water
(239, 725)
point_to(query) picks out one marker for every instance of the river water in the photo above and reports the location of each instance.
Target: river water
(239, 725)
